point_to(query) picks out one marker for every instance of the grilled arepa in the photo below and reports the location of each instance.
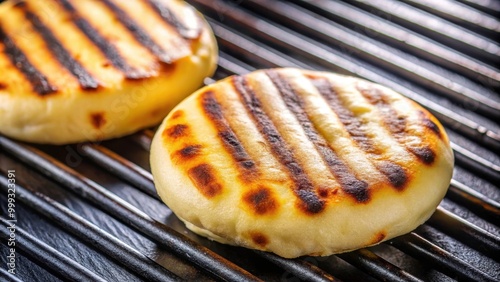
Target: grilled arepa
(79, 70)
(300, 162)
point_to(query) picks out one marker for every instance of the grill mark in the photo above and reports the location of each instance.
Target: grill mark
(427, 122)
(106, 47)
(396, 123)
(231, 142)
(348, 181)
(204, 179)
(139, 33)
(303, 189)
(97, 120)
(392, 171)
(259, 239)
(395, 173)
(38, 81)
(55, 47)
(261, 201)
(176, 131)
(188, 152)
(171, 19)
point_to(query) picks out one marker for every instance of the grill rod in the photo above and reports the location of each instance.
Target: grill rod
(360, 45)
(6, 276)
(62, 266)
(126, 213)
(331, 59)
(379, 28)
(429, 253)
(432, 26)
(460, 14)
(92, 234)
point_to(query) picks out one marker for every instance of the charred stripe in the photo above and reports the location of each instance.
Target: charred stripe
(37, 80)
(348, 181)
(169, 18)
(396, 123)
(60, 53)
(304, 189)
(100, 42)
(392, 171)
(214, 112)
(139, 33)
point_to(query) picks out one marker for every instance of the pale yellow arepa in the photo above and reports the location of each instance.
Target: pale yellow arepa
(300, 163)
(80, 70)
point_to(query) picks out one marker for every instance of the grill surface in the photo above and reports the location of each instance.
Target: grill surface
(89, 212)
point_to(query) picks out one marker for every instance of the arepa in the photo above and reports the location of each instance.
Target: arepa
(85, 70)
(300, 162)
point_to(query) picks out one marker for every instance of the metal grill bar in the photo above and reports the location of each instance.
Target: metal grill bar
(405, 39)
(6, 276)
(377, 266)
(362, 46)
(459, 228)
(93, 235)
(446, 262)
(470, 160)
(460, 14)
(300, 268)
(116, 164)
(438, 29)
(487, 6)
(479, 202)
(331, 59)
(44, 255)
(126, 213)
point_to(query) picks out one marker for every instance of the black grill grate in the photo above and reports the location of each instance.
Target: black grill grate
(89, 211)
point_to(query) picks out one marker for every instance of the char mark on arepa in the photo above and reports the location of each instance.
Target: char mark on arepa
(38, 81)
(304, 189)
(106, 47)
(138, 32)
(392, 171)
(395, 123)
(56, 48)
(231, 142)
(347, 180)
(171, 19)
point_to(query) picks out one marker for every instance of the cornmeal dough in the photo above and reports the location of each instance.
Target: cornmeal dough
(299, 162)
(80, 70)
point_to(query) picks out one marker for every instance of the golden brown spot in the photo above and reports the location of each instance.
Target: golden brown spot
(378, 238)
(259, 239)
(106, 64)
(177, 114)
(3, 86)
(176, 131)
(261, 201)
(203, 178)
(97, 120)
(188, 152)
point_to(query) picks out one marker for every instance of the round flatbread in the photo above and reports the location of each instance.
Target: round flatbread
(300, 162)
(80, 70)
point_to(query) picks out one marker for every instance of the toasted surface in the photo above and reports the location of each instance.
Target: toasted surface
(300, 163)
(88, 70)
